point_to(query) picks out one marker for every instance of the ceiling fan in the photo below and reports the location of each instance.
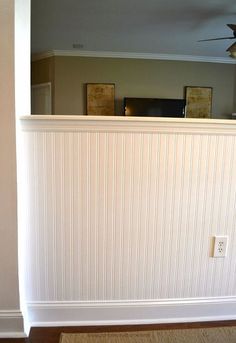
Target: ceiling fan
(232, 48)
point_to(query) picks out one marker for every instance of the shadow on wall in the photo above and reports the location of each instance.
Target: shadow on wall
(119, 106)
(84, 98)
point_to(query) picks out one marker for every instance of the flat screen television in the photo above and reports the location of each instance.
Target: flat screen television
(154, 107)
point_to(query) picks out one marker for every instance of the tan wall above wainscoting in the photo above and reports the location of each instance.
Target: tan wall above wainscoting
(42, 71)
(133, 78)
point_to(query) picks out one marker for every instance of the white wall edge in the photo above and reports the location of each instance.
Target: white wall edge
(53, 123)
(131, 312)
(134, 55)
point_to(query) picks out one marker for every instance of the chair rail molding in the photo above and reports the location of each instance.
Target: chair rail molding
(126, 124)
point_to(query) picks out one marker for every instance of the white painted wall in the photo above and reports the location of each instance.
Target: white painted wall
(15, 101)
(22, 57)
(22, 107)
(10, 315)
(120, 218)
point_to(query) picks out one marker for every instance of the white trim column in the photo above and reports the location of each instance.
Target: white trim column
(13, 32)
(22, 107)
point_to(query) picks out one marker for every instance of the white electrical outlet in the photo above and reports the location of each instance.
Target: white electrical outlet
(220, 246)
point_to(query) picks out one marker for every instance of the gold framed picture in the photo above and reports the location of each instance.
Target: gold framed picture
(198, 102)
(101, 99)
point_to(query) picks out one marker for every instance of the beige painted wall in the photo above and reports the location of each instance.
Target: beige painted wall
(42, 71)
(9, 290)
(141, 78)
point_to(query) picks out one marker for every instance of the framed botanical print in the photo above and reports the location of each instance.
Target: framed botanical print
(101, 99)
(198, 102)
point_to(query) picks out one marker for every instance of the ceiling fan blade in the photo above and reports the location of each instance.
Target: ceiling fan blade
(210, 39)
(232, 47)
(232, 26)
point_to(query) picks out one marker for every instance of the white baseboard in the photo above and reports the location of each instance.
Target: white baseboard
(11, 324)
(131, 312)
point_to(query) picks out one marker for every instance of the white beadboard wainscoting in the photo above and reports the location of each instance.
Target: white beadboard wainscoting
(119, 218)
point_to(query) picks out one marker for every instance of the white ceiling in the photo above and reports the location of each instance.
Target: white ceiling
(139, 26)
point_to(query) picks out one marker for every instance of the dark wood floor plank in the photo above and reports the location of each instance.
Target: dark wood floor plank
(50, 331)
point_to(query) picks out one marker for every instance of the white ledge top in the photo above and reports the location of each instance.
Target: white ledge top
(87, 123)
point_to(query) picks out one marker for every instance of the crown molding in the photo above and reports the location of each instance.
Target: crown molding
(42, 55)
(134, 55)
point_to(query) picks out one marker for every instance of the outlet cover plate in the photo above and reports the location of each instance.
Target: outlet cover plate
(220, 246)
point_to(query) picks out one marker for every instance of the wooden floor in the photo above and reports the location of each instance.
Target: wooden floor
(52, 334)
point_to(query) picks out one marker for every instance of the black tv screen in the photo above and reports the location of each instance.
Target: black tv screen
(153, 107)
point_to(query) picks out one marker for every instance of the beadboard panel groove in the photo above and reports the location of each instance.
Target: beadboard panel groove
(124, 216)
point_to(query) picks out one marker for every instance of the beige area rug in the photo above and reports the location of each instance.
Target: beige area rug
(206, 335)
